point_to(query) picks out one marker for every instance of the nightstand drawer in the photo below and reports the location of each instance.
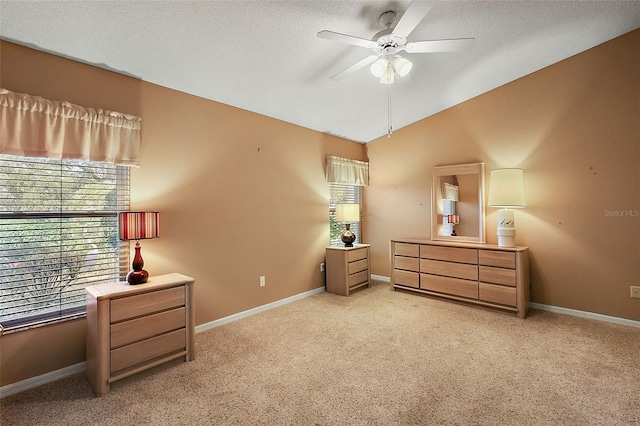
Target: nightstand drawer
(353, 255)
(358, 278)
(409, 279)
(498, 294)
(358, 265)
(456, 270)
(501, 259)
(407, 263)
(489, 274)
(130, 355)
(147, 303)
(127, 332)
(447, 285)
(404, 249)
(451, 254)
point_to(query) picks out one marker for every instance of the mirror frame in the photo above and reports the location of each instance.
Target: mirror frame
(460, 169)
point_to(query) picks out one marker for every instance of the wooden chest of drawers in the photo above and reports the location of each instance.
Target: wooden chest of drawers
(133, 328)
(483, 274)
(348, 268)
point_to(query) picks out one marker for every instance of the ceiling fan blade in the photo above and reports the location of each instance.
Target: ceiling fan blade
(431, 46)
(343, 38)
(415, 13)
(355, 67)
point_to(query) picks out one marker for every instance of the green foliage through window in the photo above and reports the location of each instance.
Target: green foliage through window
(58, 234)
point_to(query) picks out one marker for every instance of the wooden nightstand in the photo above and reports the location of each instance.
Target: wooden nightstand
(131, 328)
(348, 268)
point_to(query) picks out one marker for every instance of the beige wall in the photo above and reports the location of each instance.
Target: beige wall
(240, 195)
(574, 128)
(223, 178)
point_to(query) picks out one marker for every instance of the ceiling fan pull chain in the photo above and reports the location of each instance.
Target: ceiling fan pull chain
(390, 127)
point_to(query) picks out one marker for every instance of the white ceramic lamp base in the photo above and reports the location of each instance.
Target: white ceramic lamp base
(506, 228)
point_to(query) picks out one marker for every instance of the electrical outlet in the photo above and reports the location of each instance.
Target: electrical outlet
(635, 291)
(263, 281)
(322, 267)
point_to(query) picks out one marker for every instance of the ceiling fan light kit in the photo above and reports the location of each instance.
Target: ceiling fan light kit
(386, 44)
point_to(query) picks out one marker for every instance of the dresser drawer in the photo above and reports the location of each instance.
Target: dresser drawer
(147, 303)
(407, 263)
(404, 249)
(409, 279)
(354, 255)
(358, 265)
(126, 332)
(447, 285)
(456, 270)
(136, 353)
(451, 254)
(490, 274)
(501, 259)
(360, 277)
(498, 294)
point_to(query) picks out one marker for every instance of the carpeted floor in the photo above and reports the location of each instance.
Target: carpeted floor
(378, 357)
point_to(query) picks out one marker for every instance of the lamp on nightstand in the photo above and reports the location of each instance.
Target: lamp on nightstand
(348, 213)
(138, 226)
(506, 190)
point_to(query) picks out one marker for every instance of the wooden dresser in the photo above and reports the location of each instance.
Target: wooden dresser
(131, 328)
(482, 274)
(348, 268)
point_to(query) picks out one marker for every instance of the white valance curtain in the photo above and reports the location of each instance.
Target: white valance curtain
(350, 172)
(35, 127)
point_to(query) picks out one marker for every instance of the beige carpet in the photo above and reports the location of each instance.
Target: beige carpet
(377, 357)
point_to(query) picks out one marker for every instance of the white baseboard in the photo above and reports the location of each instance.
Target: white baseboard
(585, 314)
(380, 278)
(52, 376)
(207, 326)
(34, 382)
(565, 311)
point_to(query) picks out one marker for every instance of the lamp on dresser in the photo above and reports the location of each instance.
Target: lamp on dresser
(348, 214)
(138, 226)
(506, 190)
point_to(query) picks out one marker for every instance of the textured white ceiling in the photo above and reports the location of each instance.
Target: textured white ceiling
(264, 56)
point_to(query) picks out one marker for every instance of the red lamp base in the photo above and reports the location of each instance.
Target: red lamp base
(137, 277)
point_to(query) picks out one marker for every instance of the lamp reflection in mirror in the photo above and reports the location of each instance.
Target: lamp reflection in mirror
(138, 226)
(506, 190)
(453, 219)
(347, 214)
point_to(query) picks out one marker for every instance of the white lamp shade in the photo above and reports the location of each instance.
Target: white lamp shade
(348, 213)
(506, 188)
(379, 67)
(402, 66)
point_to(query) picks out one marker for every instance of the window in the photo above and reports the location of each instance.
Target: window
(341, 193)
(58, 234)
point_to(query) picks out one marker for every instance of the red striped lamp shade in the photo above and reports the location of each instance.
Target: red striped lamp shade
(139, 225)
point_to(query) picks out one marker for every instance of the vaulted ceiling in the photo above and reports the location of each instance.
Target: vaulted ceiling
(265, 57)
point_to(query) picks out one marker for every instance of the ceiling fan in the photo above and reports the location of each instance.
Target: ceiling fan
(386, 44)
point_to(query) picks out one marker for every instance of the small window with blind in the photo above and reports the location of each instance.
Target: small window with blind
(343, 194)
(58, 235)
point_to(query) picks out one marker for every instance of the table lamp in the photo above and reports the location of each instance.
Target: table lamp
(348, 213)
(138, 226)
(506, 190)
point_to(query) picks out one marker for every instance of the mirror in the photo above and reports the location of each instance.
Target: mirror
(457, 203)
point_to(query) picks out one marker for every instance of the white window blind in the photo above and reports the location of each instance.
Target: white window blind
(58, 234)
(343, 194)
